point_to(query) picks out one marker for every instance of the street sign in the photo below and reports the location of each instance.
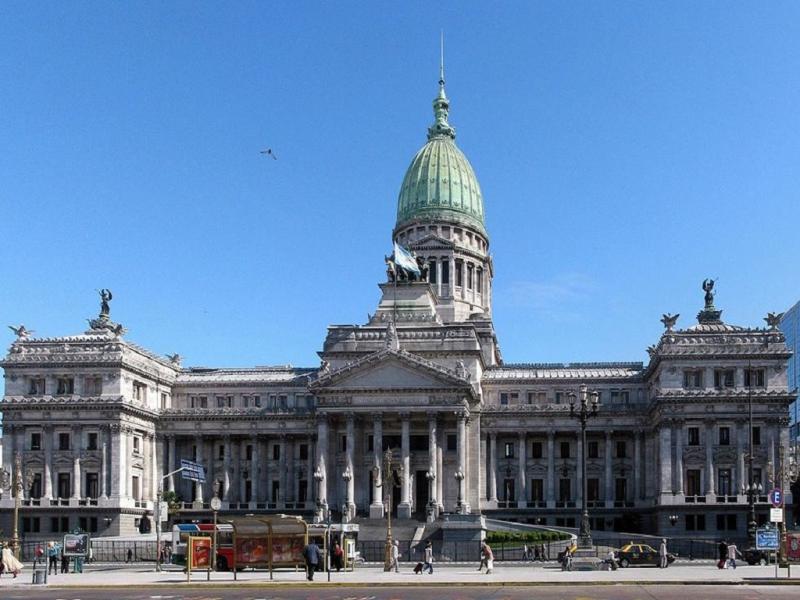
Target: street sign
(776, 497)
(163, 511)
(776, 515)
(766, 539)
(216, 503)
(193, 471)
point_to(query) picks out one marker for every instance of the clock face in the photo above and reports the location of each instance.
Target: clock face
(216, 504)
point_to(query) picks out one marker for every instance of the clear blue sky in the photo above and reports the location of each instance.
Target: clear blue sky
(626, 151)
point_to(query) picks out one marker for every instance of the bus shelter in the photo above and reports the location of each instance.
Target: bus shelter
(268, 542)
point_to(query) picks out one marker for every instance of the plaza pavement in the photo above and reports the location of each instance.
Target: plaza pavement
(697, 572)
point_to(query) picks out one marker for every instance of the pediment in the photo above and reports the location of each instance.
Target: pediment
(431, 240)
(392, 369)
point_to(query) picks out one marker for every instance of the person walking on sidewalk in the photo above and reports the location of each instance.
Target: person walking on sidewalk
(732, 552)
(663, 563)
(489, 559)
(311, 555)
(723, 555)
(428, 558)
(483, 557)
(395, 557)
(52, 558)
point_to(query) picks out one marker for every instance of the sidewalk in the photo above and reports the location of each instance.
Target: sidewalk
(504, 574)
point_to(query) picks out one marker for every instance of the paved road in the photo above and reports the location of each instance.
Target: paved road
(601, 592)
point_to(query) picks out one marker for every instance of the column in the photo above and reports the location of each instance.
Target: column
(255, 468)
(522, 495)
(376, 508)
(578, 472)
(242, 480)
(637, 465)
(493, 467)
(709, 458)
(440, 471)
(47, 440)
(665, 461)
(158, 451)
(452, 285)
(439, 276)
(291, 475)
(771, 458)
(678, 434)
(609, 492)
(76, 474)
(321, 473)
(116, 445)
(124, 452)
(432, 456)
(740, 446)
(349, 466)
(310, 491)
(551, 469)
(172, 462)
(281, 499)
(103, 463)
(198, 487)
(463, 508)
(226, 469)
(404, 509)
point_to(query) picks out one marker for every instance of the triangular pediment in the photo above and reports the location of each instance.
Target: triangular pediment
(391, 369)
(432, 241)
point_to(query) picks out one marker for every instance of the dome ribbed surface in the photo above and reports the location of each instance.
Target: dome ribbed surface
(440, 185)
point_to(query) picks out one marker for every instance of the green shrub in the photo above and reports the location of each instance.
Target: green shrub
(497, 537)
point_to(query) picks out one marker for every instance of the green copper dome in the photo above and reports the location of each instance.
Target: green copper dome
(440, 184)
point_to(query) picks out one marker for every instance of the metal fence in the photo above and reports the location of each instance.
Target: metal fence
(373, 551)
(104, 550)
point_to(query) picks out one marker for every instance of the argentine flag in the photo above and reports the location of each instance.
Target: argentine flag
(404, 259)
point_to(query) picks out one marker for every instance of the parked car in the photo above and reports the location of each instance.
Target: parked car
(640, 554)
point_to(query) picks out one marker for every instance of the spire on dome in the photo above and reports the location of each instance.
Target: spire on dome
(441, 105)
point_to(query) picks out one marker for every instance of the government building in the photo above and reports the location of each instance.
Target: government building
(97, 421)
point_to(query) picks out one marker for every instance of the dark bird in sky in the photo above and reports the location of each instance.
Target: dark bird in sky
(269, 152)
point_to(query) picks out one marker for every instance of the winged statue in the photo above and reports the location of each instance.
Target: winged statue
(669, 320)
(21, 332)
(773, 320)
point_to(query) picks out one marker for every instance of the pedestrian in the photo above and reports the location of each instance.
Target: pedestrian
(338, 555)
(38, 555)
(428, 558)
(52, 558)
(483, 557)
(395, 564)
(723, 555)
(524, 551)
(732, 552)
(129, 556)
(663, 563)
(489, 558)
(10, 562)
(64, 562)
(536, 554)
(311, 554)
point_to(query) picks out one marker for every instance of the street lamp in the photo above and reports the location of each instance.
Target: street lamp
(16, 482)
(386, 484)
(347, 475)
(588, 403)
(318, 477)
(673, 518)
(459, 476)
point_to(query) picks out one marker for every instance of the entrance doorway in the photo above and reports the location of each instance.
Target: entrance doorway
(421, 497)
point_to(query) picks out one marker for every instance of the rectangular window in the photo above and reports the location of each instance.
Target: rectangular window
(724, 487)
(164, 400)
(304, 451)
(64, 524)
(564, 449)
(756, 436)
(509, 450)
(694, 436)
(220, 401)
(754, 378)
(63, 441)
(619, 396)
(221, 452)
(564, 491)
(64, 487)
(536, 450)
(620, 489)
(470, 270)
(276, 452)
(92, 485)
(370, 443)
(693, 379)
(283, 402)
(139, 391)
(36, 386)
(65, 385)
(36, 441)
(432, 271)
(248, 452)
(137, 444)
(459, 273)
(35, 491)
(622, 448)
(503, 398)
(257, 401)
(559, 397)
(513, 398)
(537, 490)
(724, 378)
(724, 436)
(479, 281)
(91, 440)
(732, 525)
(246, 401)
(343, 443)
(693, 482)
(445, 271)
(135, 487)
(92, 524)
(592, 489)
(452, 442)
(92, 386)
(593, 450)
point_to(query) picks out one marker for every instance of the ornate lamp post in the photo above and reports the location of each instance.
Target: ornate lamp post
(431, 477)
(586, 409)
(318, 477)
(673, 519)
(386, 484)
(459, 475)
(16, 482)
(347, 475)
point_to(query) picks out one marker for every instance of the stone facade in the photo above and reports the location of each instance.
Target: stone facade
(100, 423)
